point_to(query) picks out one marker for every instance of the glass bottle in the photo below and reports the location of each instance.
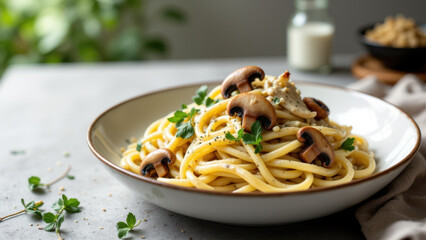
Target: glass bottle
(309, 36)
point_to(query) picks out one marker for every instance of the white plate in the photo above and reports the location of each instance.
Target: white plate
(392, 134)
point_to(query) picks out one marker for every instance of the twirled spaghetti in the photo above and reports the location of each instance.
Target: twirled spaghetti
(209, 160)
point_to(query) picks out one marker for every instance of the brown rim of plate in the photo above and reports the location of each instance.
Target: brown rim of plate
(401, 163)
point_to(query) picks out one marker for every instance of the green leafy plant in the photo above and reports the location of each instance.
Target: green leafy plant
(347, 145)
(254, 138)
(139, 146)
(34, 182)
(276, 100)
(33, 31)
(201, 97)
(54, 220)
(184, 129)
(17, 152)
(125, 227)
(31, 207)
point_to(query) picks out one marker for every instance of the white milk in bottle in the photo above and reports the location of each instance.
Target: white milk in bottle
(309, 36)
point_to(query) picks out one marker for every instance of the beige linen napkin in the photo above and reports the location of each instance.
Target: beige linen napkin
(399, 210)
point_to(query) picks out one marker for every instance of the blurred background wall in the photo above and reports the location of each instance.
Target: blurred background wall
(57, 31)
(249, 28)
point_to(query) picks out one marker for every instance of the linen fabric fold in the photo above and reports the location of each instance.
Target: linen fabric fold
(399, 210)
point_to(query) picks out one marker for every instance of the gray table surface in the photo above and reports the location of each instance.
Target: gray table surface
(45, 110)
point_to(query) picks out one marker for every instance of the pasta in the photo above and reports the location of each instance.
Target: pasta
(219, 155)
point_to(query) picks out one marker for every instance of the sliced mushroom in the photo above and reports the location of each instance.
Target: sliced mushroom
(316, 146)
(157, 161)
(317, 106)
(241, 79)
(252, 107)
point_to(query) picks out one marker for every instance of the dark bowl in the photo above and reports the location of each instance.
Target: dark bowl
(406, 59)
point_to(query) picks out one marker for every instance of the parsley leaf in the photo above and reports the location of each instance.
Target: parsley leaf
(59, 221)
(183, 106)
(193, 112)
(122, 232)
(58, 205)
(256, 130)
(178, 117)
(209, 102)
(347, 145)
(185, 130)
(255, 138)
(55, 221)
(34, 182)
(124, 228)
(258, 148)
(131, 219)
(49, 218)
(200, 95)
(71, 177)
(231, 137)
(139, 145)
(72, 205)
(17, 152)
(276, 100)
(32, 207)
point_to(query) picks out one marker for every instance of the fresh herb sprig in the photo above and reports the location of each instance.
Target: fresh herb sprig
(31, 207)
(183, 120)
(124, 228)
(201, 97)
(231, 137)
(348, 144)
(276, 100)
(17, 152)
(255, 138)
(34, 182)
(54, 220)
(139, 145)
(184, 129)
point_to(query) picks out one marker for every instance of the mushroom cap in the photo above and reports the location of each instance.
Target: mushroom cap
(157, 161)
(316, 146)
(317, 106)
(252, 107)
(241, 79)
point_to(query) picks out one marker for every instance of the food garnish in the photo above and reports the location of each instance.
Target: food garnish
(55, 220)
(184, 130)
(31, 207)
(34, 182)
(125, 227)
(348, 144)
(255, 138)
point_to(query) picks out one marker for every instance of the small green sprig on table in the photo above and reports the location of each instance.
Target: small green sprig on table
(255, 138)
(125, 227)
(31, 207)
(34, 182)
(55, 220)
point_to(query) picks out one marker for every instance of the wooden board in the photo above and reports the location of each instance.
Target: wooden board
(367, 65)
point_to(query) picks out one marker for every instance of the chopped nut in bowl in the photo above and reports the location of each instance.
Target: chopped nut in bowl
(398, 42)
